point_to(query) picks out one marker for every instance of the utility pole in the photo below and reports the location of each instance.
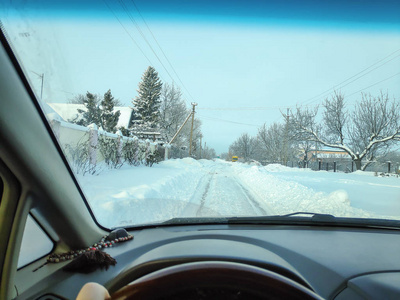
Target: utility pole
(176, 134)
(194, 104)
(285, 150)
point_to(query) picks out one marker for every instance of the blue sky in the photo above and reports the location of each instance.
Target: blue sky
(241, 63)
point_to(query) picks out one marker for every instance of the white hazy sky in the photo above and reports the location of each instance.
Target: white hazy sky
(240, 74)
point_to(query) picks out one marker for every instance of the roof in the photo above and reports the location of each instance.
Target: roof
(329, 149)
(69, 112)
(50, 112)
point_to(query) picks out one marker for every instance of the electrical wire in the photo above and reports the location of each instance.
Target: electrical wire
(374, 84)
(246, 108)
(226, 121)
(286, 107)
(143, 36)
(355, 75)
(309, 104)
(133, 40)
(162, 51)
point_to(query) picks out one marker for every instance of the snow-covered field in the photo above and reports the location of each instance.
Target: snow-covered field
(203, 188)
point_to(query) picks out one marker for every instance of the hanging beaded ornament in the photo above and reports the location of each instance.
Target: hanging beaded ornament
(89, 259)
(104, 243)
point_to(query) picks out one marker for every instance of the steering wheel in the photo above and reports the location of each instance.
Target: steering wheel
(214, 280)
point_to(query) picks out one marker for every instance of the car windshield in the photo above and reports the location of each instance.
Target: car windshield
(215, 109)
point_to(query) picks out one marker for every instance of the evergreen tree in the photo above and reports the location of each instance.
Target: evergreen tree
(109, 119)
(146, 108)
(92, 113)
(80, 99)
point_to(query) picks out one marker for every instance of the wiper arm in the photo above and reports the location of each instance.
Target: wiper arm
(314, 216)
(288, 218)
(308, 218)
(292, 218)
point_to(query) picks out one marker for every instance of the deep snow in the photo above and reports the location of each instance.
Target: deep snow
(196, 188)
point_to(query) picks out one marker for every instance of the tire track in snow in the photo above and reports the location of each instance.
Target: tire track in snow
(250, 198)
(214, 191)
(197, 199)
(204, 195)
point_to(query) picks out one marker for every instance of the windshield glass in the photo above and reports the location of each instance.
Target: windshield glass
(174, 109)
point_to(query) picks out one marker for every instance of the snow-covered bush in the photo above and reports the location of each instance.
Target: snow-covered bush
(130, 152)
(79, 157)
(153, 157)
(109, 150)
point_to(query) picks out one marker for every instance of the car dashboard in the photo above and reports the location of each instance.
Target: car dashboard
(334, 262)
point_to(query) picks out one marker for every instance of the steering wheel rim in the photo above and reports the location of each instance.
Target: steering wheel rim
(178, 279)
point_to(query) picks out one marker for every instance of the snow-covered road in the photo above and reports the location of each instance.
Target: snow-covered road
(220, 193)
(202, 188)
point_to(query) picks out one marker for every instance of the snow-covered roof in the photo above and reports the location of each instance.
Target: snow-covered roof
(125, 116)
(69, 111)
(50, 112)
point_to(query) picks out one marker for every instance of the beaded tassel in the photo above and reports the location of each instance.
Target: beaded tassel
(104, 243)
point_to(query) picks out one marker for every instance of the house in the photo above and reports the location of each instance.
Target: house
(327, 154)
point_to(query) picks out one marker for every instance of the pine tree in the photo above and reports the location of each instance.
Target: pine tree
(147, 103)
(109, 119)
(92, 113)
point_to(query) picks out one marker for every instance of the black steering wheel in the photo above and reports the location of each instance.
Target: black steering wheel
(214, 280)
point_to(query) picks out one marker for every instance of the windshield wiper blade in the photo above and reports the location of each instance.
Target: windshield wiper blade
(296, 218)
(314, 216)
(308, 218)
(292, 218)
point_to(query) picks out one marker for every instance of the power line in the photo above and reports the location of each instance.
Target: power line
(355, 75)
(273, 107)
(226, 121)
(143, 36)
(246, 108)
(133, 40)
(288, 106)
(374, 84)
(162, 51)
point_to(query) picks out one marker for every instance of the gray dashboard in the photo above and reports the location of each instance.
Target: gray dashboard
(337, 263)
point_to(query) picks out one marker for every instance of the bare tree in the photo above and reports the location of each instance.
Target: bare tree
(208, 153)
(370, 129)
(306, 149)
(173, 110)
(244, 146)
(271, 142)
(183, 140)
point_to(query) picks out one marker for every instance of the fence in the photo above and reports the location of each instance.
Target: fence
(345, 166)
(87, 147)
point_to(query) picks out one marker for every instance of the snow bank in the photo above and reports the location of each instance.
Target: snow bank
(289, 196)
(190, 188)
(140, 195)
(280, 168)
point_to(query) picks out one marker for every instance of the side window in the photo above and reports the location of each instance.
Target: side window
(35, 243)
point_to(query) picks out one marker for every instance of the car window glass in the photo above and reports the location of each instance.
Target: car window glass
(35, 243)
(219, 109)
